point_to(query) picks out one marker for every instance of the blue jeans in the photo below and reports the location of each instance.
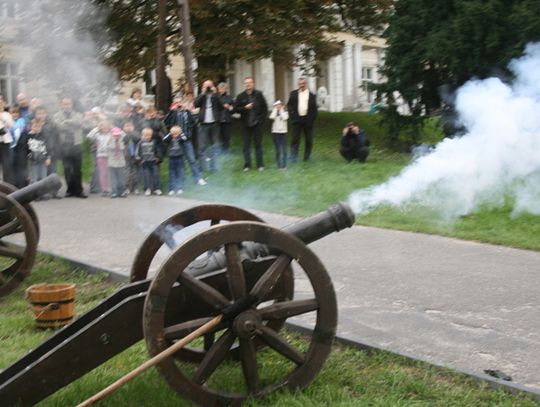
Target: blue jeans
(94, 183)
(208, 138)
(176, 173)
(280, 142)
(150, 175)
(38, 171)
(116, 180)
(189, 153)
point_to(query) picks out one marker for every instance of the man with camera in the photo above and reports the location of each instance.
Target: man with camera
(209, 116)
(354, 143)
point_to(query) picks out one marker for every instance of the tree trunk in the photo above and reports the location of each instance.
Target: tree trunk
(186, 43)
(161, 77)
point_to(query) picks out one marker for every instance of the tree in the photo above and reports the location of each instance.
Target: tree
(436, 45)
(288, 31)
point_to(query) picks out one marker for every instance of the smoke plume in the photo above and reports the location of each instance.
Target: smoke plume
(497, 158)
(62, 44)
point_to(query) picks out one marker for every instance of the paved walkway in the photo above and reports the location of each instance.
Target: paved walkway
(466, 305)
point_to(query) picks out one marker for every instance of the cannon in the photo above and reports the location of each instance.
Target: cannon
(236, 258)
(17, 218)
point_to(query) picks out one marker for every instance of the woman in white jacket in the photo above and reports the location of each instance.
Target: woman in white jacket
(279, 133)
(6, 122)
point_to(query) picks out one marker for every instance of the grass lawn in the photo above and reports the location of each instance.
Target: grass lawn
(349, 378)
(306, 188)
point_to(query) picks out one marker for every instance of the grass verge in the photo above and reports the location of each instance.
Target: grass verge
(349, 378)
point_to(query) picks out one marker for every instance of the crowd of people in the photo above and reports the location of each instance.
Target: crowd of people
(129, 145)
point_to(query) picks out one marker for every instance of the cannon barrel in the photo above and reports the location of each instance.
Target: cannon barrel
(337, 217)
(30, 193)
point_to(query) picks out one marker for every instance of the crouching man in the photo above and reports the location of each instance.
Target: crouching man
(354, 143)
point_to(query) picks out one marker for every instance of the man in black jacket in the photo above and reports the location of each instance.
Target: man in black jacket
(252, 106)
(302, 108)
(209, 117)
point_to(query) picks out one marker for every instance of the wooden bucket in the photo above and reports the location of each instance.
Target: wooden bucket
(53, 304)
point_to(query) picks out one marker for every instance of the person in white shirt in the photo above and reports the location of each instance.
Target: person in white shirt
(279, 133)
(302, 108)
(6, 122)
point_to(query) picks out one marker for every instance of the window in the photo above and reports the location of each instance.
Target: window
(367, 74)
(9, 81)
(8, 9)
(149, 82)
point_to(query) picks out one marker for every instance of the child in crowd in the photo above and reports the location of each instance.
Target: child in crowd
(180, 115)
(116, 162)
(279, 133)
(133, 170)
(90, 122)
(38, 152)
(19, 162)
(173, 141)
(100, 137)
(149, 155)
(137, 116)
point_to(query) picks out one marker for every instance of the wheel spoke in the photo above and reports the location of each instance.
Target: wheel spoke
(209, 339)
(286, 309)
(13, 251)
(276, 342)
(235, 271)
(9, 227)
(179, 331)
(270, 278)
(206, 292)
(215, 355)
(248, 358)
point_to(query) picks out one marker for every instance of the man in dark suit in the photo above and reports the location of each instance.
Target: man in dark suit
(302, 107)
(253, 108)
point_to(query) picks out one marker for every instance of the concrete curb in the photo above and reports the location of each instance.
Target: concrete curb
(480, 378)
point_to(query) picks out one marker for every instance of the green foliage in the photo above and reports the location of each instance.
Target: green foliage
(234, 29)
(436, 44)
(223, 31)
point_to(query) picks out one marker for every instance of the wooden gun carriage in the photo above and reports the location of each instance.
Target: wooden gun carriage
(237, 261)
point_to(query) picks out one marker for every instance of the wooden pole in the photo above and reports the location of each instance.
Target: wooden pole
(153, 361)
(186, 43)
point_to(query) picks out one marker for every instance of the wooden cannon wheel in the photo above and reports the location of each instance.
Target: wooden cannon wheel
(190, 217)
(201, 382)
(16, 261)
(161, 234)
(8, 189)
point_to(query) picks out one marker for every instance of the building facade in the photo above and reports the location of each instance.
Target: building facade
(341, 83)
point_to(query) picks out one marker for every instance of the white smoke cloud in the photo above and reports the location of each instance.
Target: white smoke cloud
(498, 157)
(59, 44)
